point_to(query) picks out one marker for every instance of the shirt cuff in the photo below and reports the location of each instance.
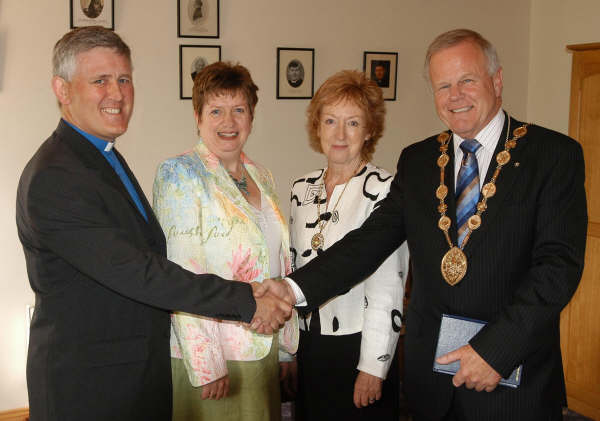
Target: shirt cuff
(300, 298)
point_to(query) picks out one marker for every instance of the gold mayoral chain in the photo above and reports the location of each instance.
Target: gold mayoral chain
(454, 262)
(318, 240)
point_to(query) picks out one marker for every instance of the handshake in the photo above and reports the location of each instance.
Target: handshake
(274, 302)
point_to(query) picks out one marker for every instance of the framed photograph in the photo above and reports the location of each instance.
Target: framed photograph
(198, 18)
(295, 73)
(192, 59)
(382, 68)
(92, 12)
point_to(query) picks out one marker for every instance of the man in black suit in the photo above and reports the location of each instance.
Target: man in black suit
(95, 253)
(515, 263)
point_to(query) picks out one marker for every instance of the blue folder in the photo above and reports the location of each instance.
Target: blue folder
(457, 331)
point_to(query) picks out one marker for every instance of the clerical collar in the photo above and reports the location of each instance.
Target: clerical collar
(100, 144)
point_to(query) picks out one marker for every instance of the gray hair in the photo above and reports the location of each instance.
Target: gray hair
(455, 37)
(81, 40)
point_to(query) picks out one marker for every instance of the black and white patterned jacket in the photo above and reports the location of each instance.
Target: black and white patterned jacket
(375, 305)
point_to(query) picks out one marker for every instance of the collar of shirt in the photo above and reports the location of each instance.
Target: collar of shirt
(100, 144)
(106, 149)
(488, 137)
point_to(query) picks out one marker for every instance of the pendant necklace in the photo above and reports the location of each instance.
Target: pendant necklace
(454, 262)
(242, 184)
(318, 240)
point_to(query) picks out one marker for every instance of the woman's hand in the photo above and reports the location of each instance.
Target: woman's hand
(288, 376)
(367, 389)
(217, 389)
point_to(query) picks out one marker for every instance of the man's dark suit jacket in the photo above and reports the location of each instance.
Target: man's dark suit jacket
(99, 342)
(524, 264)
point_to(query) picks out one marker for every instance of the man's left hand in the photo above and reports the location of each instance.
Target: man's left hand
(474, 371)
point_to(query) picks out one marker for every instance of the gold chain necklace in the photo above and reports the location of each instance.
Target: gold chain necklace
(318, 240)
(454, 262)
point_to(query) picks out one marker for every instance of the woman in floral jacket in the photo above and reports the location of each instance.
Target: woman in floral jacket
(220, 214)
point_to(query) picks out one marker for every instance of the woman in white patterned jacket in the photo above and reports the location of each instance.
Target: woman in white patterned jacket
(347, 347)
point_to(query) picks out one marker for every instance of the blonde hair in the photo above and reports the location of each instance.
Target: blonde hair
(356, 87)
(455, 37)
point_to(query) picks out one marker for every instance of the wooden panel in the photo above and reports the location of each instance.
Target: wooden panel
(582, 356)
(585, 64)
(586, 328)
(584, 396)
(593, 229)
(584, 408)
(21, 414)
(589, 136)
(580, 327)
(583, 47)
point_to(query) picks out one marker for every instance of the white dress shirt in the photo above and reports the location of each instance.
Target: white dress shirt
(488, 137)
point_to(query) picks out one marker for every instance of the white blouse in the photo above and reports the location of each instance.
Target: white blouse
(269, 226)
(374, 306)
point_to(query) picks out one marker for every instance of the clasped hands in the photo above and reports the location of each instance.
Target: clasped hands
(274, 302)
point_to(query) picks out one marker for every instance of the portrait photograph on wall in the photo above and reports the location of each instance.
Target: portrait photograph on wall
(381, 67)
(198, 18)
(295, 73)
(192, 59)
(92, 12)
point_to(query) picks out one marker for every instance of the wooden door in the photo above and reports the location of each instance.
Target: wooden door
(580, 321)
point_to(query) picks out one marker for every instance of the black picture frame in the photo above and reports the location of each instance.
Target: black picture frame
(198, 18)
(91, 13)
(382, 67)
(295, 73)
(193, 58)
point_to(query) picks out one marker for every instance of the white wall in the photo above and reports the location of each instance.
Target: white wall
(162, 125)
(554, 25)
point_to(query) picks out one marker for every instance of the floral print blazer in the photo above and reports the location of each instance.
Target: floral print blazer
(211, 228)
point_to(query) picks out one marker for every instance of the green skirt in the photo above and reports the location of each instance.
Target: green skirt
(253, 392)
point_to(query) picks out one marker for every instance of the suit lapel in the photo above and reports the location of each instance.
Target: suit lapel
(225, 185)
(450, 199)
(152, 222)
(506, 179)
(93, 159)
(428, 194)
(223, 182)
(89, 155)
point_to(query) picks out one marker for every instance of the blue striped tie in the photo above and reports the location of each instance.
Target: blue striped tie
(467, 186)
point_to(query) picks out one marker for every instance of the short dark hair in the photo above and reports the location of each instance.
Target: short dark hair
(80, 40)
(223, 78)
(294, 63)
